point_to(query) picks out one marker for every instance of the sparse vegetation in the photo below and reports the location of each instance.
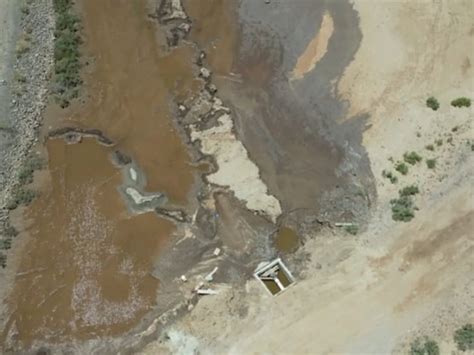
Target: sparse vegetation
(461, 102)
(431, 163)
(19, 78)
(66, 53)
(439, 142)
(455, 129)
(23, 44)
(402, 168)
(34, 162)
(430, 147)
(352, 229)
(450, 140)
(5, 244)
(424, 346)
(21, 196)
(10, 232)
(412, 158)
(464, 337)
(389, 175)
(403, 208)
(409, 191)
(432, 103)
(3, 260)
(25, 10)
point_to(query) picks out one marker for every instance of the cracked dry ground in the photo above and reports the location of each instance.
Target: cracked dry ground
(196, 108)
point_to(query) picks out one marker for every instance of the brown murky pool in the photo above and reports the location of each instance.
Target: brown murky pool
(286, 240)
(85, 270)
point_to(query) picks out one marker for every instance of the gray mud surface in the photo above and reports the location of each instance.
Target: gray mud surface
(294, 130)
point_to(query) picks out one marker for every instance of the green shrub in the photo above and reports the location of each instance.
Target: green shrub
(461, 102)
(10, 232)
(22, 46)
(402, 168)
(34, 162)
(432, 103)
(21, 196)
(425, 346)
(430, 147)
(66, 53)
(431, 163)
(5, 244)
(25, 10)
(409, 191)
(464, 337)
(439, 142)
(352, 229)
(412, 158)
(403, 209)
(389, 175)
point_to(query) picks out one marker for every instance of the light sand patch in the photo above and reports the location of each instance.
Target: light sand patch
(236, 170)
(315, 50)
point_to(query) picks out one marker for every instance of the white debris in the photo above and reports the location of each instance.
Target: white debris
(204, 73)
(236, 171)
(133, 174)
(183, 278)
(217, 251)
(207, 291)
(210, 276)
(138, 198)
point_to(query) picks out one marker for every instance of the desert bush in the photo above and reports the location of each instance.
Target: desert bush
(5, 244)
(21, 196)
(402, 168)
(389, 175)
(412, 158)
(424, 346)
(25, 10)
(3, 260)
(430, 147)
(409, 191)
(352, 229)
(439, 142)
(22, 45)
(461, 102)
(431, 163)
(403, 209)
(432, 103)
(464, 337)
(34, 162)
(10, 232)
(19, 78)
(66, 53)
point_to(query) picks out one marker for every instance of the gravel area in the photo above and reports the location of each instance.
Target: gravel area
(26, 76)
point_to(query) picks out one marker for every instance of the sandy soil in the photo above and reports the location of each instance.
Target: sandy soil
(394, 281)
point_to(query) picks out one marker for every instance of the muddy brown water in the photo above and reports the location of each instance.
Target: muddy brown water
(286, 240)
(85, 270)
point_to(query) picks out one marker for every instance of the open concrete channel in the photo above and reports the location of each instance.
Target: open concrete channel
(190, 148)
